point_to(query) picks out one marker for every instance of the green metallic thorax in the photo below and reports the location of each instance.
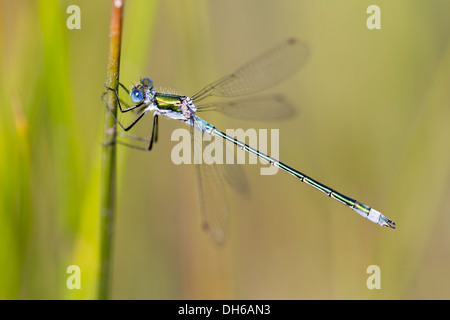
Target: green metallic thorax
(169, 101)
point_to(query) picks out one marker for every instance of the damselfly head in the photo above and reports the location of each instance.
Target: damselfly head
(137, 94)
(147, 83)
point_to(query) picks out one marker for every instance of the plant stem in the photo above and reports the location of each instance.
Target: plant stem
(108, 171)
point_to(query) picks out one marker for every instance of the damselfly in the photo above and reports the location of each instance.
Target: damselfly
(260, 73)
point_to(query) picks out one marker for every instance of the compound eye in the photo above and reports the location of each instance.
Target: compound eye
(136, 96)
(147, 82)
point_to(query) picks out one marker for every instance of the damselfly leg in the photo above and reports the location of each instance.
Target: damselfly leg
(134, 108)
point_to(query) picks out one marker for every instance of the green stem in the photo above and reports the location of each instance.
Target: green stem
(108, 171)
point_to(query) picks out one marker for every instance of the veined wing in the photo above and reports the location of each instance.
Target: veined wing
(214, 205)
(211, 185)
(263, 108)
(260, 73)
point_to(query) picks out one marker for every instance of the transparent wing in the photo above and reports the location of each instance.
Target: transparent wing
(260, 73)
(234, 175)
(213, 201)
(214, 206)
(259, 108)
(212, 190)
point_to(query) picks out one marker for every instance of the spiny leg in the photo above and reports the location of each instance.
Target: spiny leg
(124, 88)
(155, 123)
(128, 109)
(118, 99)
(153, 138)
(133, 137)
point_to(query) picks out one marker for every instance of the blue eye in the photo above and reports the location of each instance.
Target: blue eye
(146, 82)
(136, 96)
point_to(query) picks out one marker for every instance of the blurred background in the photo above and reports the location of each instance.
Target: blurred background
(372, 121)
